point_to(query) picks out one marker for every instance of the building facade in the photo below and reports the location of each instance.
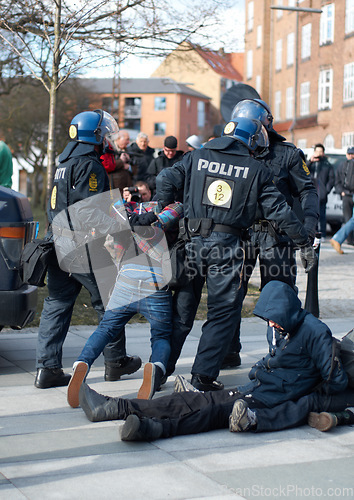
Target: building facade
(302, 63)
(207, 71)
(156, 106)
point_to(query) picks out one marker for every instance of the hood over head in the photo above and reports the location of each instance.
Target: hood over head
(279, 302)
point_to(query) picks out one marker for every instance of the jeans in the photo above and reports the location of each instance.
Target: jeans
(344, 231)
(57, 310)
(127, 300)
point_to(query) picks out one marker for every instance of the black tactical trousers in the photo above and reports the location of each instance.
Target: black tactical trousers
(186, 412)
(276, 262)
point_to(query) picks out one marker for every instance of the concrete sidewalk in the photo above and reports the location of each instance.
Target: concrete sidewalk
(51, 451)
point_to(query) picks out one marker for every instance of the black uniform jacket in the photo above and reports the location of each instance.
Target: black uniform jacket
(223, 182)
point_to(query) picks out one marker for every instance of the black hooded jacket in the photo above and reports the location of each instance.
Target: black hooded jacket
(299, 358)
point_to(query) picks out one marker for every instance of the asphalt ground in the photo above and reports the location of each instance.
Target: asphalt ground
(51, 451)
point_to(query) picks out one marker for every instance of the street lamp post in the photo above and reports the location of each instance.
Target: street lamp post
(296, 9)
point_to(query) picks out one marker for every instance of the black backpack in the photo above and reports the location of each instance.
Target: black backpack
(347, 356)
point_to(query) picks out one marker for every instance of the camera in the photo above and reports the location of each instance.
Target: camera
(136, 196)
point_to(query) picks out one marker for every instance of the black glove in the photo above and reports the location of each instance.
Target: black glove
(310, 224)
(145, 219)
(308, 257)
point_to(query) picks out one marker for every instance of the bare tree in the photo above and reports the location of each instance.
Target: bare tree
(56, 38)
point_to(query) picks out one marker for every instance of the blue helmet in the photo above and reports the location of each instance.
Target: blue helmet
(251, 133)
(254, 108)
(92, 127)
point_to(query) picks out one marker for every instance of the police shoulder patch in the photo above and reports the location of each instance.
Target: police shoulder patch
(305, 167)
(93, 182)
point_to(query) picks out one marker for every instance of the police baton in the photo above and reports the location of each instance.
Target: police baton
(311, 301)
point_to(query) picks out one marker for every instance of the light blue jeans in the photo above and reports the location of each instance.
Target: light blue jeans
(128, 298)
(344, 231)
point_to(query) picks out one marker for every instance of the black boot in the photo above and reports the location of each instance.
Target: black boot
(325, 421)
(97, 407)
(51, 377)
(203, 383)
(124, 366)
(231, 360)
(144, 429)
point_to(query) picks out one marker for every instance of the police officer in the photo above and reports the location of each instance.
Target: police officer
(223, 185)
(274, 248)
(79, 175)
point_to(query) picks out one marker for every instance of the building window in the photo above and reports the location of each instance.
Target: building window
(302, 143)
(201, 114)
(290, 49)
(249, 70)
(250, 20)
(279, 12)
(328, 141)
(188, 104)
(160, 128)
(291, 3)
(325, 89)
(305, 98)
(160, 103)
(258, 84)
(348, 83)
(306, 41)
(347, 139)
(278, 54)
(289, 108)
(277, 106)
(327, 24)
(259, 36)
(349, 17)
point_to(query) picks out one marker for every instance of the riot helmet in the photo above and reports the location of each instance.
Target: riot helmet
(93, 127)
(254, 108)
(252, 133)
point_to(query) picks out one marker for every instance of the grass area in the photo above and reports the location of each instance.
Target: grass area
(84, 314)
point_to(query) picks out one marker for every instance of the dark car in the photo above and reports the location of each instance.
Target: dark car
(18, 301)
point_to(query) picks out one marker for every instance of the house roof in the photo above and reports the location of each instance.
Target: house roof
(140, 86)
(222, 63)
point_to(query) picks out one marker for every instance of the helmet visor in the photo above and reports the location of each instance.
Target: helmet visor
(251, 109)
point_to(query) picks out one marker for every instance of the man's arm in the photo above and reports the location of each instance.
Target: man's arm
(170, 181)
(303, 187)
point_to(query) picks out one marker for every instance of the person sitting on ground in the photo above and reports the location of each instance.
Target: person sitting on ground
(299, 358)
(141, 286)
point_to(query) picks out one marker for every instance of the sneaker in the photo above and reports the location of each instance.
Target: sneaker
(336, 246)
(79, 374)
(322, 421)
(151, 381)
(241, 418)
(205, 384)
(140, 429)
(124, 366)
(182, 385)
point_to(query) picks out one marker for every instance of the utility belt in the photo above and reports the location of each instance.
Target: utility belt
(265, 226)
(204, 227)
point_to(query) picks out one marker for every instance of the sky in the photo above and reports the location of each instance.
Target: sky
(232, 29)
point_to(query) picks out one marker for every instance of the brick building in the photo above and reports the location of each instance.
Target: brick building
(304, 60)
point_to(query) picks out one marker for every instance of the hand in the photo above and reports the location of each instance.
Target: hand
(308, 257)
(145, 219)
(127, 196)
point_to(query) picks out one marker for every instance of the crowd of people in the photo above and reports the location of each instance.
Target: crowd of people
(231, 201)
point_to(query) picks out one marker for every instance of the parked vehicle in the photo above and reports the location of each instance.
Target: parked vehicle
(18, 302)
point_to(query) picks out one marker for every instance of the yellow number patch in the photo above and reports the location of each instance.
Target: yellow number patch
(219, 193)
(53, 198)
